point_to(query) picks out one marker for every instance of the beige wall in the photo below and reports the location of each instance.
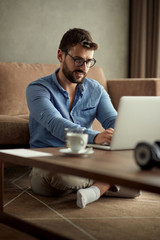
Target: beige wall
(158, 63)
(30, 30)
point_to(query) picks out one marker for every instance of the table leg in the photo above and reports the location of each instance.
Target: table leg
(1, 185)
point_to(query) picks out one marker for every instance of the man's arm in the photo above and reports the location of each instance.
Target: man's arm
(107, 115)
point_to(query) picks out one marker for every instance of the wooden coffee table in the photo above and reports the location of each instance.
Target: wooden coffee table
(114, 167)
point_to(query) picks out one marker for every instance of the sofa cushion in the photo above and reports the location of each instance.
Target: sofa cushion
(13, 130)
(132, 87)
(98, 74)
(97, 126)
(15, 77)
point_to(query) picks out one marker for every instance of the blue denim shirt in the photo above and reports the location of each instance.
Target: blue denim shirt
(50, 113)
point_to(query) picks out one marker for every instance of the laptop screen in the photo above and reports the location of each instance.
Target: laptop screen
(138, 120)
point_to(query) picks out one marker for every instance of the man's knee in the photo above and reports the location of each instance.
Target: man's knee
(41, 187)
(41, 183)
(45, 183)
(66, 181)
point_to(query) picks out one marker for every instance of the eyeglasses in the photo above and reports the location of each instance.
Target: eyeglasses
(78, 61)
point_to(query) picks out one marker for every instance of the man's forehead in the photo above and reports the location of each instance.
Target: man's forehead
(80, 50)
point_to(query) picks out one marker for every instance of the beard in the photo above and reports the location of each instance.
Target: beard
(71, 76)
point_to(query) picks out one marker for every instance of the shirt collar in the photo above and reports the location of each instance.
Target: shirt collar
(56, 81)
(81, 87)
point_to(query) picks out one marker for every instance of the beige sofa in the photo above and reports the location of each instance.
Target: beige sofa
(15, 77)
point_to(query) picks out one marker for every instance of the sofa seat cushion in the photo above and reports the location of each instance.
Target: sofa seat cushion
(13, 130)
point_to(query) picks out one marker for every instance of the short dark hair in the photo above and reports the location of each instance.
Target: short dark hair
(76, 36)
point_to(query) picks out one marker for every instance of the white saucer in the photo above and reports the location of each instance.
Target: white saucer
(68, 151)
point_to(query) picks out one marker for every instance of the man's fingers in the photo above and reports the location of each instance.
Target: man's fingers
(104, 137)
(110, 130)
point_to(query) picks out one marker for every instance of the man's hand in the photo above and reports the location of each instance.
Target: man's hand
(104, 137)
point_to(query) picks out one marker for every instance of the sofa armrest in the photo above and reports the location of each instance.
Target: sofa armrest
(13, 130)
(132, 87)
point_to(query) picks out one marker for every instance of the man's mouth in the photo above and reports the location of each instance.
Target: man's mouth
(80, 72)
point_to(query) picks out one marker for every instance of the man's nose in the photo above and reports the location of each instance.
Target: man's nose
(84, 67)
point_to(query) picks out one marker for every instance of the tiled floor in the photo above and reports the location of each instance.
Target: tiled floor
(108, 218)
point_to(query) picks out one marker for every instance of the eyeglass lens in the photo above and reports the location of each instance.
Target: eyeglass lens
(80, 62)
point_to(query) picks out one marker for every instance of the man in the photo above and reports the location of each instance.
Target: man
(67, 99)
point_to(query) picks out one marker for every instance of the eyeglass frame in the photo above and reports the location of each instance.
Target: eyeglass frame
(84, 61)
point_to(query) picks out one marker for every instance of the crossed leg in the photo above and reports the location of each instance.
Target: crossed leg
(93, 193)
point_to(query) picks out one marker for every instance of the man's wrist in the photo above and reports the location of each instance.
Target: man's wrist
(91, 135)
(94, 140)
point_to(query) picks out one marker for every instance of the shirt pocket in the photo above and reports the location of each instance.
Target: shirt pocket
(89, 111)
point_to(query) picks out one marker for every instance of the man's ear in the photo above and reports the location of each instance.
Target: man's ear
(60, 55)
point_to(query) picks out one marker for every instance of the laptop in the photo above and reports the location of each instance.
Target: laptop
(138, 120)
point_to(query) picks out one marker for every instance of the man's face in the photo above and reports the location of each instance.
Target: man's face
(73, 73)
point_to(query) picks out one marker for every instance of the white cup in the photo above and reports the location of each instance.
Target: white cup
(76, 140)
